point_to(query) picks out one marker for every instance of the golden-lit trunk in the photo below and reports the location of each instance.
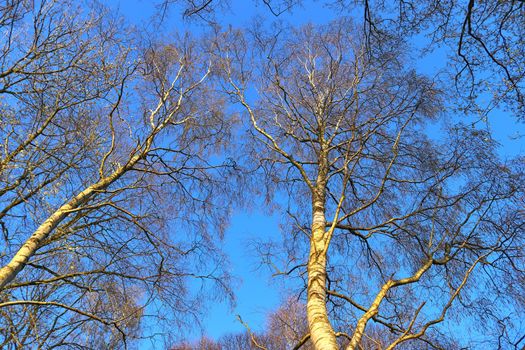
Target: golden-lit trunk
(30, 247)
(372, 311)
(321, 331)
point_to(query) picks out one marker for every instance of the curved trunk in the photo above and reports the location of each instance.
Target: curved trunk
(371, 312)
(321, 331)
(29, 248)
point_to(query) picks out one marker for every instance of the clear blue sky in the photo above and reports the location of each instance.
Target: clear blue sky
(257, 294)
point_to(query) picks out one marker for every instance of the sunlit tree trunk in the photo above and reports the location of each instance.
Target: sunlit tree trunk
(321, 331)
(29, 248)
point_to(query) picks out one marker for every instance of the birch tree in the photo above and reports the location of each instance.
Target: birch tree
(109, 203)
(389, 224)
(483, 41)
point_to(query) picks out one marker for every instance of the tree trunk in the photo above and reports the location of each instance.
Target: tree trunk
(321, 331)
(371, 312)
(29, 248)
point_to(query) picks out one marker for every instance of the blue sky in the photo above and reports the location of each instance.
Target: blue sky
(256, 292)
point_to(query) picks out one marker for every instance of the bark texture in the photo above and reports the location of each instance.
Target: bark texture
(321, 331)
(29, 248)
(372, 311)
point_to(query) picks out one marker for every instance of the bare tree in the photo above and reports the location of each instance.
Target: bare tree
(286, 328)
(109, 201)
(392, 226)
(483, 40)
(207, 9)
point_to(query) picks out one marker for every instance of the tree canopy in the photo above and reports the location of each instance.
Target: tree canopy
(125, 150)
